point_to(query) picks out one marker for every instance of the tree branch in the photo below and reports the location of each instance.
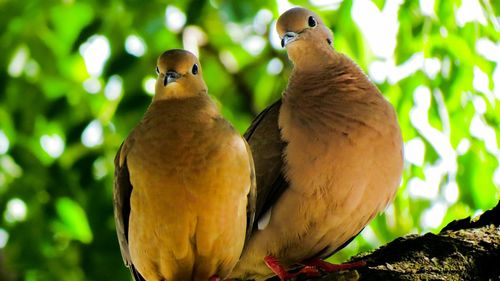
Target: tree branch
(467, 249)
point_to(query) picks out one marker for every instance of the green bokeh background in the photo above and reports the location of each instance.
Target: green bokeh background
(56, 219)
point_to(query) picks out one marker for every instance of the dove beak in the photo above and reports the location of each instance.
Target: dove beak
(288, 38)
(170, 76)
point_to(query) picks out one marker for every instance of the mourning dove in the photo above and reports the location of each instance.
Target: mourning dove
(184, 182)
(328, 156)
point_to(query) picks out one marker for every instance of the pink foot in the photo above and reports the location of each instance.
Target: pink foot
(330, 267)
(214, 278)
(281, 272)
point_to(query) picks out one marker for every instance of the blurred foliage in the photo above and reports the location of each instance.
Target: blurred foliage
(62, 117)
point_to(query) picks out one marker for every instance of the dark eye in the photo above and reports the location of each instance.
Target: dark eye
(312, 21)
(157, 70)
(329, 41)
(195, 69)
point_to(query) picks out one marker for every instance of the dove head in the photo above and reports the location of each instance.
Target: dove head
(304, 34)
(179, 75)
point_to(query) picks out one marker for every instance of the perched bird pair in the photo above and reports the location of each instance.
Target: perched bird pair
(328, 158)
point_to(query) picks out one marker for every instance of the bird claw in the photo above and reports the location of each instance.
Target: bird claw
(283, 274)
(311, 267)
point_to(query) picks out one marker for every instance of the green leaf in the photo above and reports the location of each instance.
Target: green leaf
(475, 174)
(380, 3)
(74, 220)
(69, 20)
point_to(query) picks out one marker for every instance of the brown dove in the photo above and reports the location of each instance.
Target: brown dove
(184, 182)
(328, 157)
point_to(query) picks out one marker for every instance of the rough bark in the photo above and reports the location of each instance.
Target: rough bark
(467, 249)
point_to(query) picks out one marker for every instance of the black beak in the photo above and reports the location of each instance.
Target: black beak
(170, 76)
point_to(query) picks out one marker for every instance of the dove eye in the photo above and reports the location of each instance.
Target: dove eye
(195, 69)
(311, 21)
(329, 41)
(157, 70)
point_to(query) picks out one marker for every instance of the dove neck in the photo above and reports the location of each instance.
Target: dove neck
(336, 76)
(177, 93)
(317, 99)
(311, 57)
(185, 108)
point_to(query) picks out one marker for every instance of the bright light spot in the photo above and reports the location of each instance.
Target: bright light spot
(275, 66)
(418, 188)
(443, 31)
(390, 216)
(95, 52)
(175, 19)
(415, 151)
(148, 85)
(327, 4)
(486, 48)
(463, 146)
(274, 38)
(443, 113)
(479, 104)
(432, 217)
(432, 66)
(214, 4)
(422, 97)
(235, 31)
(254, 44)
(4, 237)
(261, 20)
(52, 144)
(451, 192)
(92, 135)
(100, 168)
(18, 62)
(369, 235)
(496, 176)
(135, 46)
(32, 68)
(114, 88)
(378, 71)
(192, 37)
(229, 61)
(378, 27)
(481, 130)
(439, 140)
(283, 6)
(446, 67)
(412, 65)
(477, 213)
(15, 211)
(496, 80)
(427, 7)
(112, 127)
(92, 85)
(10, 167)
(481, 81)
(470, 11)
(4, 143)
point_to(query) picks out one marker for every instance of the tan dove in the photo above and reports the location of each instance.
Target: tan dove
(328, 156)
(184, 182)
